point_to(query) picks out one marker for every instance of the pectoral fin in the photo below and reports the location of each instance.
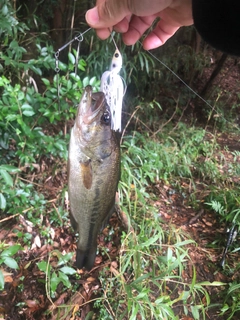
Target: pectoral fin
(86, 169)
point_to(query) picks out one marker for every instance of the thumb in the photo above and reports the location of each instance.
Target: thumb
(107, 13)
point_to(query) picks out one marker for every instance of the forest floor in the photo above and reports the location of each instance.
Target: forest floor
(24, 296)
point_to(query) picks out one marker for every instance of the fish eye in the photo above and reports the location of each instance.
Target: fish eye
(116, 55)
(106, 118)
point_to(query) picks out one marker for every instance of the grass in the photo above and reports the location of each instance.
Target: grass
(153, 258)
(154, 274)
(148, 282)
(147, 279)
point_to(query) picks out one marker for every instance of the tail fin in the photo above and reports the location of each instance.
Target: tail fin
(86, 258)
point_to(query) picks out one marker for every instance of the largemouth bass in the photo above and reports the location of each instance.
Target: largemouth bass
(93, 173)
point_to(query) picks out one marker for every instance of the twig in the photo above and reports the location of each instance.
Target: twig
(124, 130)
(169, 120)
(195, 218)
(132, 116)
(26, 180)
(9, 218)
(72, 24)
(57, 212)
(124, 219)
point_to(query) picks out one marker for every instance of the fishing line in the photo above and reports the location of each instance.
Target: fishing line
(80, 38)
(177, 76)
(189, 88)
(114, 41)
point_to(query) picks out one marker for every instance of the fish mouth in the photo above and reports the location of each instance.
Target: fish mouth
(92, 104)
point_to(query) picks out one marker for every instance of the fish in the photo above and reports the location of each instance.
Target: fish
(93, 173)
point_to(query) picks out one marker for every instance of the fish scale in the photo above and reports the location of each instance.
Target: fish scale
(93, 173)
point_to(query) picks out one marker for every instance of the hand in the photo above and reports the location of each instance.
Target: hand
(134, 17)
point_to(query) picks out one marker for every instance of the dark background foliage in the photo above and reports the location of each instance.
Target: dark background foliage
(179, 182)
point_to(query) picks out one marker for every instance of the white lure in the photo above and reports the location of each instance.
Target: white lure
(112, 86)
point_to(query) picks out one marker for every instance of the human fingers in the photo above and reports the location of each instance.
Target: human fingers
(107, 13)
(137, 27)
(121, 27)
(162, 32)
(171, 19)
(103, 33)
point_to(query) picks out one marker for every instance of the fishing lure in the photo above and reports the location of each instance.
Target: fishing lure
(112, 86)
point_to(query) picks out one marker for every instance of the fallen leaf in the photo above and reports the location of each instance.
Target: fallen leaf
(91, 279)
(32, 304)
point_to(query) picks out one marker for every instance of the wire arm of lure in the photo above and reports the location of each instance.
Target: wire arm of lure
(77, 38)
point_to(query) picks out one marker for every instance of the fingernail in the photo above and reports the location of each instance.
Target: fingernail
(92, 16)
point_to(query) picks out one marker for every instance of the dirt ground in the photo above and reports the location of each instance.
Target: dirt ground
(24, 297)
(23, 286)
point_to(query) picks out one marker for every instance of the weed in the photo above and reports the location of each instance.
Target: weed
(6, 257)
(231, 304)
(55, 276)
(36, 104)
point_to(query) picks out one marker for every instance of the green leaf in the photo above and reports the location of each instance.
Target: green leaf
(6, 177)
(150, 241)
(69, 84)
(11, 117)
(47, 113)
(62, 66)
(28, 113)
(27, 110)
(195, 312)
(46, 81)
(225, 308)
(4, 10)
(65, 280)
(9, 168)
(134, 311)
(1, 280)
(92, 81)
(59, 146)
(234, 287)
(74, 76)
(65, 258)
(85, 81)
(68, 270)
(38, 71)
(42, 265)
(10, 251)
(81, 65)
(71, 58)
(89, 316)
(20, 95)
(2, 202)
(184, 243)
(10, 262)
(55, 280)
(4, 81)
